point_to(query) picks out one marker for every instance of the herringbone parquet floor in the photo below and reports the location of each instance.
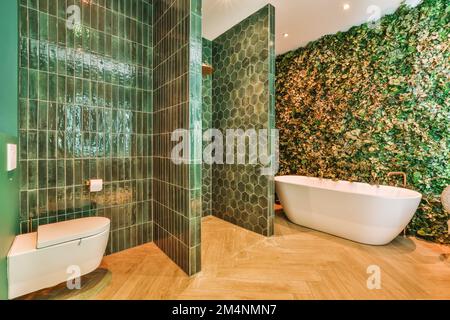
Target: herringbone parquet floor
(296, 263)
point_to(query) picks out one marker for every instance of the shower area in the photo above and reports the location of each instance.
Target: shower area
(239, 93)
(103, 84)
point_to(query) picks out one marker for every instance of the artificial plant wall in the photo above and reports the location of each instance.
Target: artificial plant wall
(375, 99)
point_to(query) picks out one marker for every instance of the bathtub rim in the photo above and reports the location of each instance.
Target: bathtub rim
(413, 194)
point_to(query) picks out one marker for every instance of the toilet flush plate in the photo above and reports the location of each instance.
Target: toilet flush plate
(11, 153)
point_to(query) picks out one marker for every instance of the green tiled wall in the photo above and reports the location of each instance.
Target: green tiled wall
(207, 124)
(85, 113)
(177, 105)
(243, 98)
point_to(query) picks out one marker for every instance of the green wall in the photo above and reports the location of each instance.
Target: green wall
(8, 66)
(9, 199)
(8, 132)
(357, 105)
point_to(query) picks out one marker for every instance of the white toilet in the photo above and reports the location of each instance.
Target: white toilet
(51, 255)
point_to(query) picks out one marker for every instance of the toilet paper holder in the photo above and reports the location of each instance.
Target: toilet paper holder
(94, 188)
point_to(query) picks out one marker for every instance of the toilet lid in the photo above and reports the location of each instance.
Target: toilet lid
(61, 232)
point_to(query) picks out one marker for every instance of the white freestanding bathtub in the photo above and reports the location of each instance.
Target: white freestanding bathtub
(355, 211)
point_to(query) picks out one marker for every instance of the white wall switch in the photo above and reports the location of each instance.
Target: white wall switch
(11, 157)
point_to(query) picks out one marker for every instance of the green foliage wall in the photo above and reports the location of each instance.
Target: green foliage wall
(357, 105)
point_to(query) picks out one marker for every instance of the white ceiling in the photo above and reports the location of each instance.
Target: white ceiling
(303, 20)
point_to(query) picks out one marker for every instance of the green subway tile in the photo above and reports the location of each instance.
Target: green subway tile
(43, 5)
(43, 201)
(61, 145)
(94, 16)
(32, 174)
(70, 62)
(23, 144)
(52, 116)
(51, 144)
(61, 91)
(32, 204)
(53, 30)
(61, 117)
(42, 174)
(70, 38)
(69, 172)
(24, 54)
(23, 88)
(33, 24)
(23, 22)
(86, 13)
(32, 145)
(78, 145)
(78, 172)
(43, 26)
(33, 4)
(70, 90)
(51, 174)
(23, 165)
(69, 85)
(86, 44)
(42, 145)
(61, 27)
(43, 86)
(78, 64)
(61, 203)
(52, 7)
(33, 84)
(24, 206)
(60, 173)
(52, 203)
(52, 87)
(32, 115)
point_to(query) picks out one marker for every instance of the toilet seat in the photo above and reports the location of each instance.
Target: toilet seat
(61, 232)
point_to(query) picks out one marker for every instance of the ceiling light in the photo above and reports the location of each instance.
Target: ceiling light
(285, 35)
(346, 6)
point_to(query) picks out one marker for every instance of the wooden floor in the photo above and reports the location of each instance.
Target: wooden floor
(296, 263)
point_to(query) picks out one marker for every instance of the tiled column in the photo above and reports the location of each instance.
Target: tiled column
(177, 105)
